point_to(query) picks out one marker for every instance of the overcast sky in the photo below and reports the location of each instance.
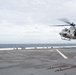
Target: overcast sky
(27, 21)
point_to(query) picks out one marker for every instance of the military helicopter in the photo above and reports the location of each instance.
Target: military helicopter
(68, 33)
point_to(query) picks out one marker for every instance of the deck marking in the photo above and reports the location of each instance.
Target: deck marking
(65, 57)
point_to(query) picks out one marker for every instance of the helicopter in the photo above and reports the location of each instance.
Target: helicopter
(68, 33)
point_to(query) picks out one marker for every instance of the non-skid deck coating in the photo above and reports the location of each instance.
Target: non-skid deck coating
(36, 62)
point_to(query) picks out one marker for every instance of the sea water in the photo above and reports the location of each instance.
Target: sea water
(32, 45)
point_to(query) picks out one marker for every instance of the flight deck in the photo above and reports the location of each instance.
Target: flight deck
(49, 61)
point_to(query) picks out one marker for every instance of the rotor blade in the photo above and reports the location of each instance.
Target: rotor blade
(59, 25)
(65, 20)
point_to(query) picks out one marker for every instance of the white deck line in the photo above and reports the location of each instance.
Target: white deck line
(65, 57)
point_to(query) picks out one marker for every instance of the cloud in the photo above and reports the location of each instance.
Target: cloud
(20, 12)
(24, 20)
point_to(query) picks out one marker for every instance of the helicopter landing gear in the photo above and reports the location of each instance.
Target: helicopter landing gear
(65, 39)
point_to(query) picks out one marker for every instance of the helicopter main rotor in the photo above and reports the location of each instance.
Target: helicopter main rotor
(66, 21)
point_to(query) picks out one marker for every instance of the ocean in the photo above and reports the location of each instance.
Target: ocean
(32, 45)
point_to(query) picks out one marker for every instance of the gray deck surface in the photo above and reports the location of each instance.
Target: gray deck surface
(36, 62)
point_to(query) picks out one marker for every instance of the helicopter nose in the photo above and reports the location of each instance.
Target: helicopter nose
(62, 34)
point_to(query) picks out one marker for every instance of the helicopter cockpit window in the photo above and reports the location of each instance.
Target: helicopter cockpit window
(65, 29)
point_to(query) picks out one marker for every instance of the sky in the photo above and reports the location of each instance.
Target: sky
(27, 21)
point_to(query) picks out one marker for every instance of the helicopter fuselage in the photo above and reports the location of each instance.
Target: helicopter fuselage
(69, 33)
